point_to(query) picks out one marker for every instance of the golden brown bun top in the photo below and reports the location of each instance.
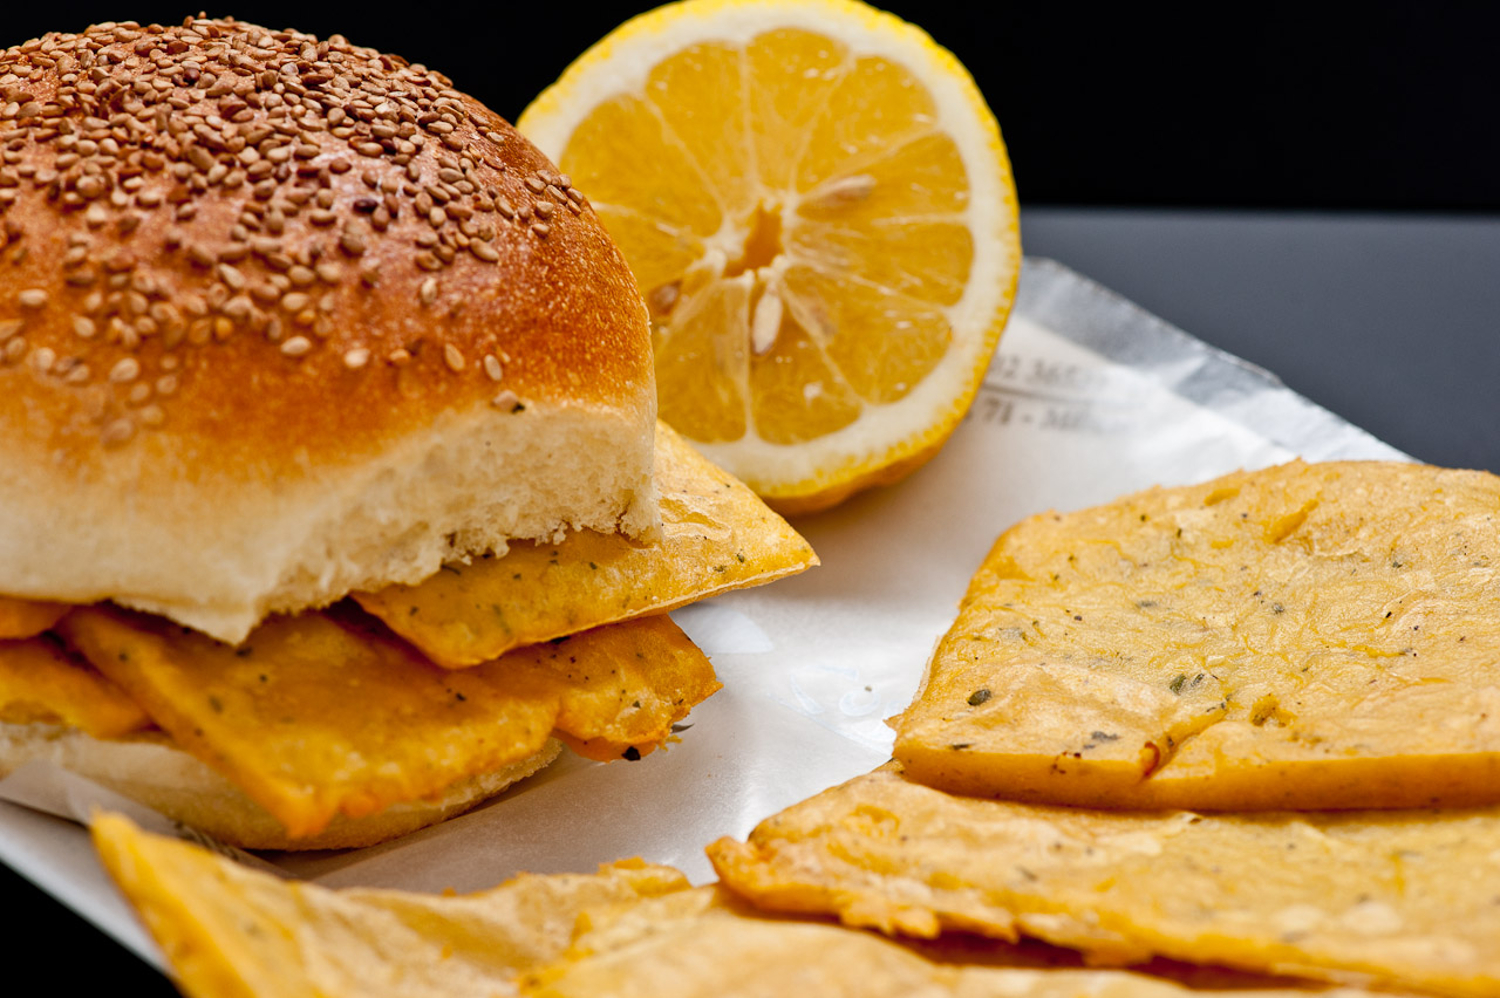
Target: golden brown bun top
(237, 251)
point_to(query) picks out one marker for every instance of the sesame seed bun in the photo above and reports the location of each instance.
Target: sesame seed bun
(282, 318)
(152, 770)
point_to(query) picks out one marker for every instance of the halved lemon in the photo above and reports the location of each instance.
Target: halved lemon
(819, 209)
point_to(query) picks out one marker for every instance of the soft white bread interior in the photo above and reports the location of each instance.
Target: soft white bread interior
(313, 321)
(219, 556)
(152, 770)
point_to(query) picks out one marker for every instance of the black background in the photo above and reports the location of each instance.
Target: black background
(1265, 106)
(1376, 107)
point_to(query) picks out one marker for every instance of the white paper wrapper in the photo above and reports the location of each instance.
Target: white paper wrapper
(1088, 398)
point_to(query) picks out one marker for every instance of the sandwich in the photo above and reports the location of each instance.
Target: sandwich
(283, 320)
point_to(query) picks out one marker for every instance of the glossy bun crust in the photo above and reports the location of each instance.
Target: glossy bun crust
(282, 317)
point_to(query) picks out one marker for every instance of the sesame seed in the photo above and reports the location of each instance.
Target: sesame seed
(541, 229)
(42, 358)
(119, 261)
(484, 251)
(238, 308)
(32, 298)
(166, 384)
(231, 276)
(297, 346)
(453, 357)
(492, 367)
(84, 327)
(152, 416)
(506, 400)
(139, 393)
(9, 328)
(118, 432)
(127, 369)
(352, 242)
(428, 291)
(536, 185)
(200, 158)
(399, 357)
(543, 209)
(356, 358)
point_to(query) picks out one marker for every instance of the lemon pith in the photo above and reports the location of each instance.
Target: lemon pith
(819, 210)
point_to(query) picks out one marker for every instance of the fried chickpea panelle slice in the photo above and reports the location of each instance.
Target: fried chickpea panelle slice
(24, 618)
(40, 683)
(1398, 899)
(716, 536)
(1306, 636)
(706, 942)
(323, 714)
(232, 932)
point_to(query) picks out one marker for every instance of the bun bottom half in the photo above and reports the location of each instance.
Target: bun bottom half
(153, 771)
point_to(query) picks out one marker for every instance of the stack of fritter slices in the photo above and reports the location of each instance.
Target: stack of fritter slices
(394, 709)
(1307, 659)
